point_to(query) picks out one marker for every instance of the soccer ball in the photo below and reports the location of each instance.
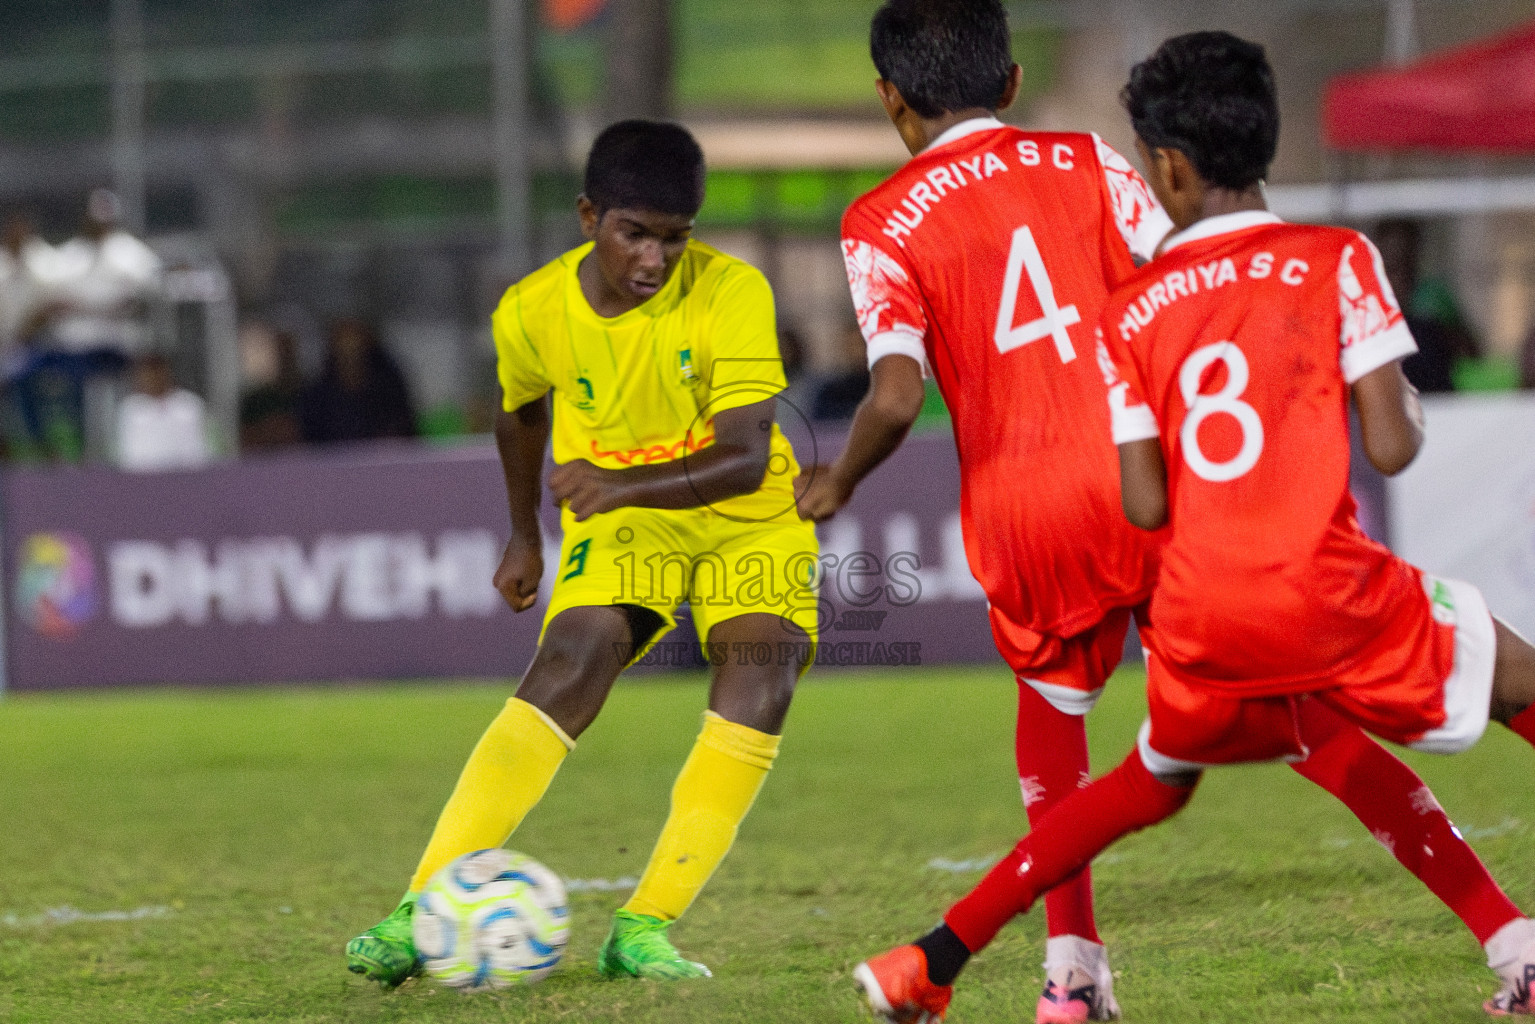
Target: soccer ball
(491, 919)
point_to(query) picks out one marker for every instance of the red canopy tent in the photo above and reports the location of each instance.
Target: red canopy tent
(565, 15)
(1477, 98)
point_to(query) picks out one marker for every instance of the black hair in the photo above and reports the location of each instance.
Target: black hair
(646, 165)
(1211, 96)
(943, 55)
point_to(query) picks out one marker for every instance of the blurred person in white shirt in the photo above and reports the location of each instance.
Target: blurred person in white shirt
(160, 426)
(96, 288)
(102, 279)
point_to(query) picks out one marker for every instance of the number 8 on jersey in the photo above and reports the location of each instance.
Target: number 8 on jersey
(1228, 400)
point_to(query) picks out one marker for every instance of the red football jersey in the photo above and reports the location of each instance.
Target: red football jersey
(1237, 347)
(988, 257)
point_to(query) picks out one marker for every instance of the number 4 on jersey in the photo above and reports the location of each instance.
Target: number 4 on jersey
(1054, 319)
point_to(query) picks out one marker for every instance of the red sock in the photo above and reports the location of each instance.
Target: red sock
(1072, 834)
(1402, 814)
(1051, 747)
(1524, 724)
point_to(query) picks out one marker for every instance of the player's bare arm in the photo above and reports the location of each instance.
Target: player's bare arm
(521, 438)
(1143, 483)
(1390, 418)
(895, 389)
(882, 421)
(735, 464)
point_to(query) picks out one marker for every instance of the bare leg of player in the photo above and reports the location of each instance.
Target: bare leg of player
(1513, 682)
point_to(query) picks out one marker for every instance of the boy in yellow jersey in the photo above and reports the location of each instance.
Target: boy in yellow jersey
(660, 357)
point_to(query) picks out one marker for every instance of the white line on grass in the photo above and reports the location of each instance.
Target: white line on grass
(961, 867)
(1502, 828)
(601, 884)
(965, 867)
(69, 915)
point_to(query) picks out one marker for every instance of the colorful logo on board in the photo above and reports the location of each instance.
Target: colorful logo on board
(56, 590)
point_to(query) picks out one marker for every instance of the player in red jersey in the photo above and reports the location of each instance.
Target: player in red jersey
(982, 257)
(1229, 362)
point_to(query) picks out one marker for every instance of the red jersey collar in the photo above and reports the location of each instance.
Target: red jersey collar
(959, 131)
(1221, 225)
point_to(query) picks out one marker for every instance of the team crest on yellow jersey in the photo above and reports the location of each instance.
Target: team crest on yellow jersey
(685, 358)
(586, 398)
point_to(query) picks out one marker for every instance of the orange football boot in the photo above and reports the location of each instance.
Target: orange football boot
(896, 987)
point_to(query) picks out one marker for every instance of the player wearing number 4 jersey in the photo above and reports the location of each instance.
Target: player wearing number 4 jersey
(1229, 364)
(988, 257)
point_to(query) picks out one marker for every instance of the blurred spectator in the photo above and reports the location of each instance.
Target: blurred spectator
(269, 409)
(1442, 342)
(23, 260)
(102, 279)
(360, 394)
(93, 317)
(160, 426)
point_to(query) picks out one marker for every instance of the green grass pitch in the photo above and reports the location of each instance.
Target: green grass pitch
(272, 825)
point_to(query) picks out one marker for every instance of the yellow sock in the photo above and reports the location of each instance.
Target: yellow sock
(711, 797)
(505, 777)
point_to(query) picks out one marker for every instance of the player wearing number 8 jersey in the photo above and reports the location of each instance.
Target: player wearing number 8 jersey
(1238, 347)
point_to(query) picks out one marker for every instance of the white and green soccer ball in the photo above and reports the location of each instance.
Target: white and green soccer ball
(491, 919)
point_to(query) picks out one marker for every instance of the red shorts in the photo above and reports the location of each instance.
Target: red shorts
(1432, 696)
(1069, 672)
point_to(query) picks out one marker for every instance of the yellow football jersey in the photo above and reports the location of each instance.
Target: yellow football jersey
(644, 387)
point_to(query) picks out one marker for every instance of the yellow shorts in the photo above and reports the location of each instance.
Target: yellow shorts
(659, 558)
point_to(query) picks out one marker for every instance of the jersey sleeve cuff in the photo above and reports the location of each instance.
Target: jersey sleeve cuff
(899, 341)
(512, 402)
(1154, 227)
(1134, 423)
(1372, 353)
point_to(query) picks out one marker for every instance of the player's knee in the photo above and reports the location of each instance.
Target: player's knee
(1168, 793)
(1513, 678)
(574, 659)
(573, 671)
(1183, 783)
(778, 693)
(756, 699)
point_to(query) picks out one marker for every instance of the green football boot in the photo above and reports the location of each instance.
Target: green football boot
(637, 947)
(386, 953)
